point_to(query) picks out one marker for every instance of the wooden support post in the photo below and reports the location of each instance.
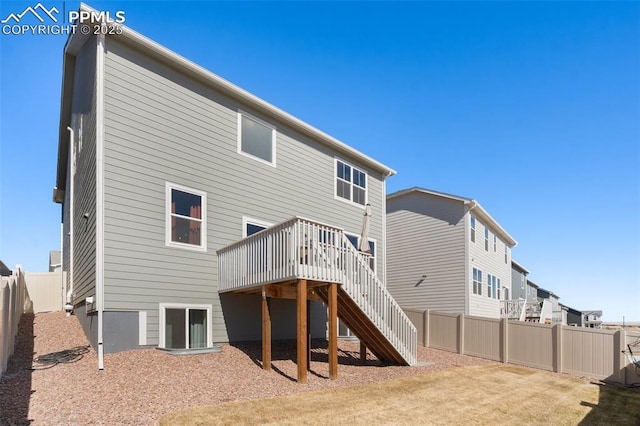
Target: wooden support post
(302, 330)
(333, 331)
(308, 335)
(266, 333)
(363, 353)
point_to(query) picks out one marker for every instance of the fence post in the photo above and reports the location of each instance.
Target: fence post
(557, 348)
(425, 331)
(461, 334)
(619, 361)
(504, 334)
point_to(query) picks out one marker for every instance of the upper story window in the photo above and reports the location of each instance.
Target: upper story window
(506, 253)
(495, 243)
(473, 229)
(253, 226)
(186, 218)
(477, 281)
(351, 183)
(486, 239)
(256, 138)
(355, 240)
(522, 281)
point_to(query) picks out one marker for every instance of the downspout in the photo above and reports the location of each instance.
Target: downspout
(69, 297)
(100, 196)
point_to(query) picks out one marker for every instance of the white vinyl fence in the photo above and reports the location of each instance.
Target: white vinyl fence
(13, 295)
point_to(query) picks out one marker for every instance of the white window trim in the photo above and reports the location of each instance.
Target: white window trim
(162, 314)
(203, 230)
(479, 274)
(335, 184)
(375, 245)
(473, 222)
(250, 221)
(273, 138)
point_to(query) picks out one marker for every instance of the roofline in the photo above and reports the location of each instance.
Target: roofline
(472, 204)
(532, 284)
(151, 47)
(519, 266)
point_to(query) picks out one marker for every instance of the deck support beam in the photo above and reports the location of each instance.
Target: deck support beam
(333, 331)
(266, 333)
(301, 302)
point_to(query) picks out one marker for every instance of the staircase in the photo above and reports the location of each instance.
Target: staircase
(304, 249)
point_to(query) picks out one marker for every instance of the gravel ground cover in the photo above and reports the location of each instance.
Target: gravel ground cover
(138, 387)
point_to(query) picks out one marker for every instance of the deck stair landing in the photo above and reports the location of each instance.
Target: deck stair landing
(301, 249)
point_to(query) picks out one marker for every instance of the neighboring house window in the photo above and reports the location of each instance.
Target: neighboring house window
(498, 290)
(355, 240)
(186, 217)
(489, 280)
(477, 281)
(506, 293)
(351, 183)
(522, 281)
(256, 138)
(495, 243)
(493, 286)
(185, 326)
(506, 253)
(473, 229)
(253, 226)
(486, 239)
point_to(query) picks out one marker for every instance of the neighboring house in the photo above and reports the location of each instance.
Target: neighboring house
(446, 253)
(553, 300)
(4, 271)
(164, 168)
(574, 316)
(518, 281)
(55, 265)
(592, 319)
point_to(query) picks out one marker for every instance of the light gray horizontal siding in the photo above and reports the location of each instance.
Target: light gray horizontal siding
(162, 126)
(489, 262)
(83, 121)
(425, 236)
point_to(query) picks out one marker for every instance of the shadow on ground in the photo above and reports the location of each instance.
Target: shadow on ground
(286, 350)
(617, 405)
(15, 384)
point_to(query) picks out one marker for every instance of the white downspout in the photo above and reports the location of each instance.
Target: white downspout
(100, 195)
(69, 297)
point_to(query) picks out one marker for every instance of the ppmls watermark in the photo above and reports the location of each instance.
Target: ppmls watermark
(40, 20)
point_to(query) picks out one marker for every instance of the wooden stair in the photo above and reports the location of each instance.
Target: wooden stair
(366, 331)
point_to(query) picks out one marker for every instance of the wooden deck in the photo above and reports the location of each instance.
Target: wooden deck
(306, 260)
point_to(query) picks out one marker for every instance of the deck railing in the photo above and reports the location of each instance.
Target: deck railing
(304, 249)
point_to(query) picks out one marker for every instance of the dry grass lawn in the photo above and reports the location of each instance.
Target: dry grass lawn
(478, 395)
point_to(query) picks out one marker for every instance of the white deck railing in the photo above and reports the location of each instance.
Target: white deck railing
(304, 249)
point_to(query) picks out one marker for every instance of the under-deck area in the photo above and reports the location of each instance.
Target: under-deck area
(305, 260)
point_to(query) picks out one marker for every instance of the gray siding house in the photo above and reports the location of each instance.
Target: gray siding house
(161, 165)
(518, 281)
(446, 253)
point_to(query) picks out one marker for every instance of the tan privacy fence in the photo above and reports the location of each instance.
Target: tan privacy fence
(13, 294)
(45, 291)
(579, 351)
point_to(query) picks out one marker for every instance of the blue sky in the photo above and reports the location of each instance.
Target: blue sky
(531, 108)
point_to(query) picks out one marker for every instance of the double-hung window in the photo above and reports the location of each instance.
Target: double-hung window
(495, 243)
(351, 183)
(186, 217)
(477, 281)
(355, 241)
(185, 326)
(493, 286)
(473, 229)
(256, 138)
(486, 239)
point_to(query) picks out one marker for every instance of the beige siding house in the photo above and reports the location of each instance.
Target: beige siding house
(446, 253)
